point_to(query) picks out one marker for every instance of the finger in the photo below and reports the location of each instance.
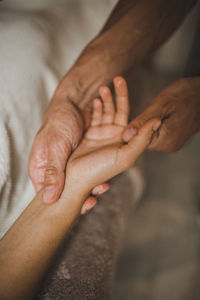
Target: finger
(37, 164)
(132, 129)
(140, 142)
(163, 140)
(37, 176)
(86, 112)
(122, 101)
(88, 205)
(100, 189)
(159, 135)
(108, 105)
(97, 112)
(54, 174)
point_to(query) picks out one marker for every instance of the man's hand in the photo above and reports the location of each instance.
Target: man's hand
(59, 134)
(178, 106)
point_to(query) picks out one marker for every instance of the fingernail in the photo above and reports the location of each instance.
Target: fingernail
(129, 134)
(102, 191)
(156, 125)
(85, 210)
(49, 193)
(98, 190)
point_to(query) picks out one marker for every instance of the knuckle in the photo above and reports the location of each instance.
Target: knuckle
(62, 146)
(51, 173)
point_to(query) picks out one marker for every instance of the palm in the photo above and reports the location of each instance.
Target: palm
(107, 132)
(98, 137)
(95, 156)
(102, 153)
(106, 125)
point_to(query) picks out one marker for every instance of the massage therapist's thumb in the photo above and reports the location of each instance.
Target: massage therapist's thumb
(54, 173)
(53, 185)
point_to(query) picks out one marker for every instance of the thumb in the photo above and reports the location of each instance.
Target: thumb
(54, 173)
(140, 142)
(133, 127)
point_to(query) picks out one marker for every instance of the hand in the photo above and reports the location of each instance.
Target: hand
(102, 154)
(178, 107)
(59, 135)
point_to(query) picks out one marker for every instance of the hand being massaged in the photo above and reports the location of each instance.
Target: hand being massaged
(41, 228)
(102, 153)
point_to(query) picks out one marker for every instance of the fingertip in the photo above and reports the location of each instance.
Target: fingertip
(104, 91)
(118, 81)
(122, 101)
(120, 86)
(101, 189)
(105, 186)
(88, 205)
(157, 124)
(129, 133)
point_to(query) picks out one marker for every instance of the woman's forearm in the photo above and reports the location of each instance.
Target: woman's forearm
(27, 248)
(133, 31)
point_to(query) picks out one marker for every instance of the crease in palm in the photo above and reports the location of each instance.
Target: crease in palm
(107, 122)
(102, 154)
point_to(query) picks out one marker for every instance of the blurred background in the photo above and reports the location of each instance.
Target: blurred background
(160, 258)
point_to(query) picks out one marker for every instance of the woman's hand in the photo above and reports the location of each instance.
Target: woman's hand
(59, 135)
(102, 154)
(178, 106)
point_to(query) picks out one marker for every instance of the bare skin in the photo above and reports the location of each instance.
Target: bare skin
(34, 238)
(134, 30)
(178, 106)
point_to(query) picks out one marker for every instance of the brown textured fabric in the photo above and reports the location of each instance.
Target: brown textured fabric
(84, 266)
